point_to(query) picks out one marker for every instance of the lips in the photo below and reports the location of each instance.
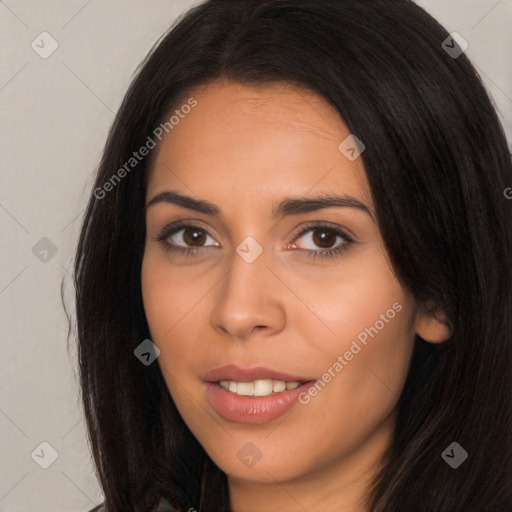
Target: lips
(252, 409)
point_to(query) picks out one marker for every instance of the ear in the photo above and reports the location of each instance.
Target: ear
(432, 324)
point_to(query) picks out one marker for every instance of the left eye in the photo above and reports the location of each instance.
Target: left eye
(326, 238)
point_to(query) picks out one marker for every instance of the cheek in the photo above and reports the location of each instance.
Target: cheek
(375, 356)
(361, 297)
(375, 364)
(173, 299)
(169, 294)
(369, 322)
(355, 396)
(156, 296)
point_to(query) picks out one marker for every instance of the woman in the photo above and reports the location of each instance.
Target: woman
(231, 358)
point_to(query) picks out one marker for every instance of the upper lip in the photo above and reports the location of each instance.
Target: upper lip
(237, 374)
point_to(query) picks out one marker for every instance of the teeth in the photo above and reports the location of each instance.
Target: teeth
(245, 388)
(261, 387)
(279, 385)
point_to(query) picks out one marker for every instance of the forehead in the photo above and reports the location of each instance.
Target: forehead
(282, 104)
(255, 140)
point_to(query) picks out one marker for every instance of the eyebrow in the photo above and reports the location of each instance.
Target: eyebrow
(287, 207)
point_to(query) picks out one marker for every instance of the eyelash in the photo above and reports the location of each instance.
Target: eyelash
(172, 229)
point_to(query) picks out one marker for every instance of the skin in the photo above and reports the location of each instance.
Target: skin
(245, 149)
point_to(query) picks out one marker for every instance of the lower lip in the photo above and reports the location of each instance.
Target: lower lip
(252, 409)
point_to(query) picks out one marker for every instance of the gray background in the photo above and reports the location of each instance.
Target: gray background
(55, 115)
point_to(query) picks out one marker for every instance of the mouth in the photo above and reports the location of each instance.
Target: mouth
(253, 395)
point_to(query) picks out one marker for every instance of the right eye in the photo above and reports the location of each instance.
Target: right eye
(190, 234)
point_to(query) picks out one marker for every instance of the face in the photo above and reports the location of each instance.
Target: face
(257, 283)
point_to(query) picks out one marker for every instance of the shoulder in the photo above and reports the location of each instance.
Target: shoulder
(99, 508)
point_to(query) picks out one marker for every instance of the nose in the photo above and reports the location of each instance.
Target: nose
(248, 300)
